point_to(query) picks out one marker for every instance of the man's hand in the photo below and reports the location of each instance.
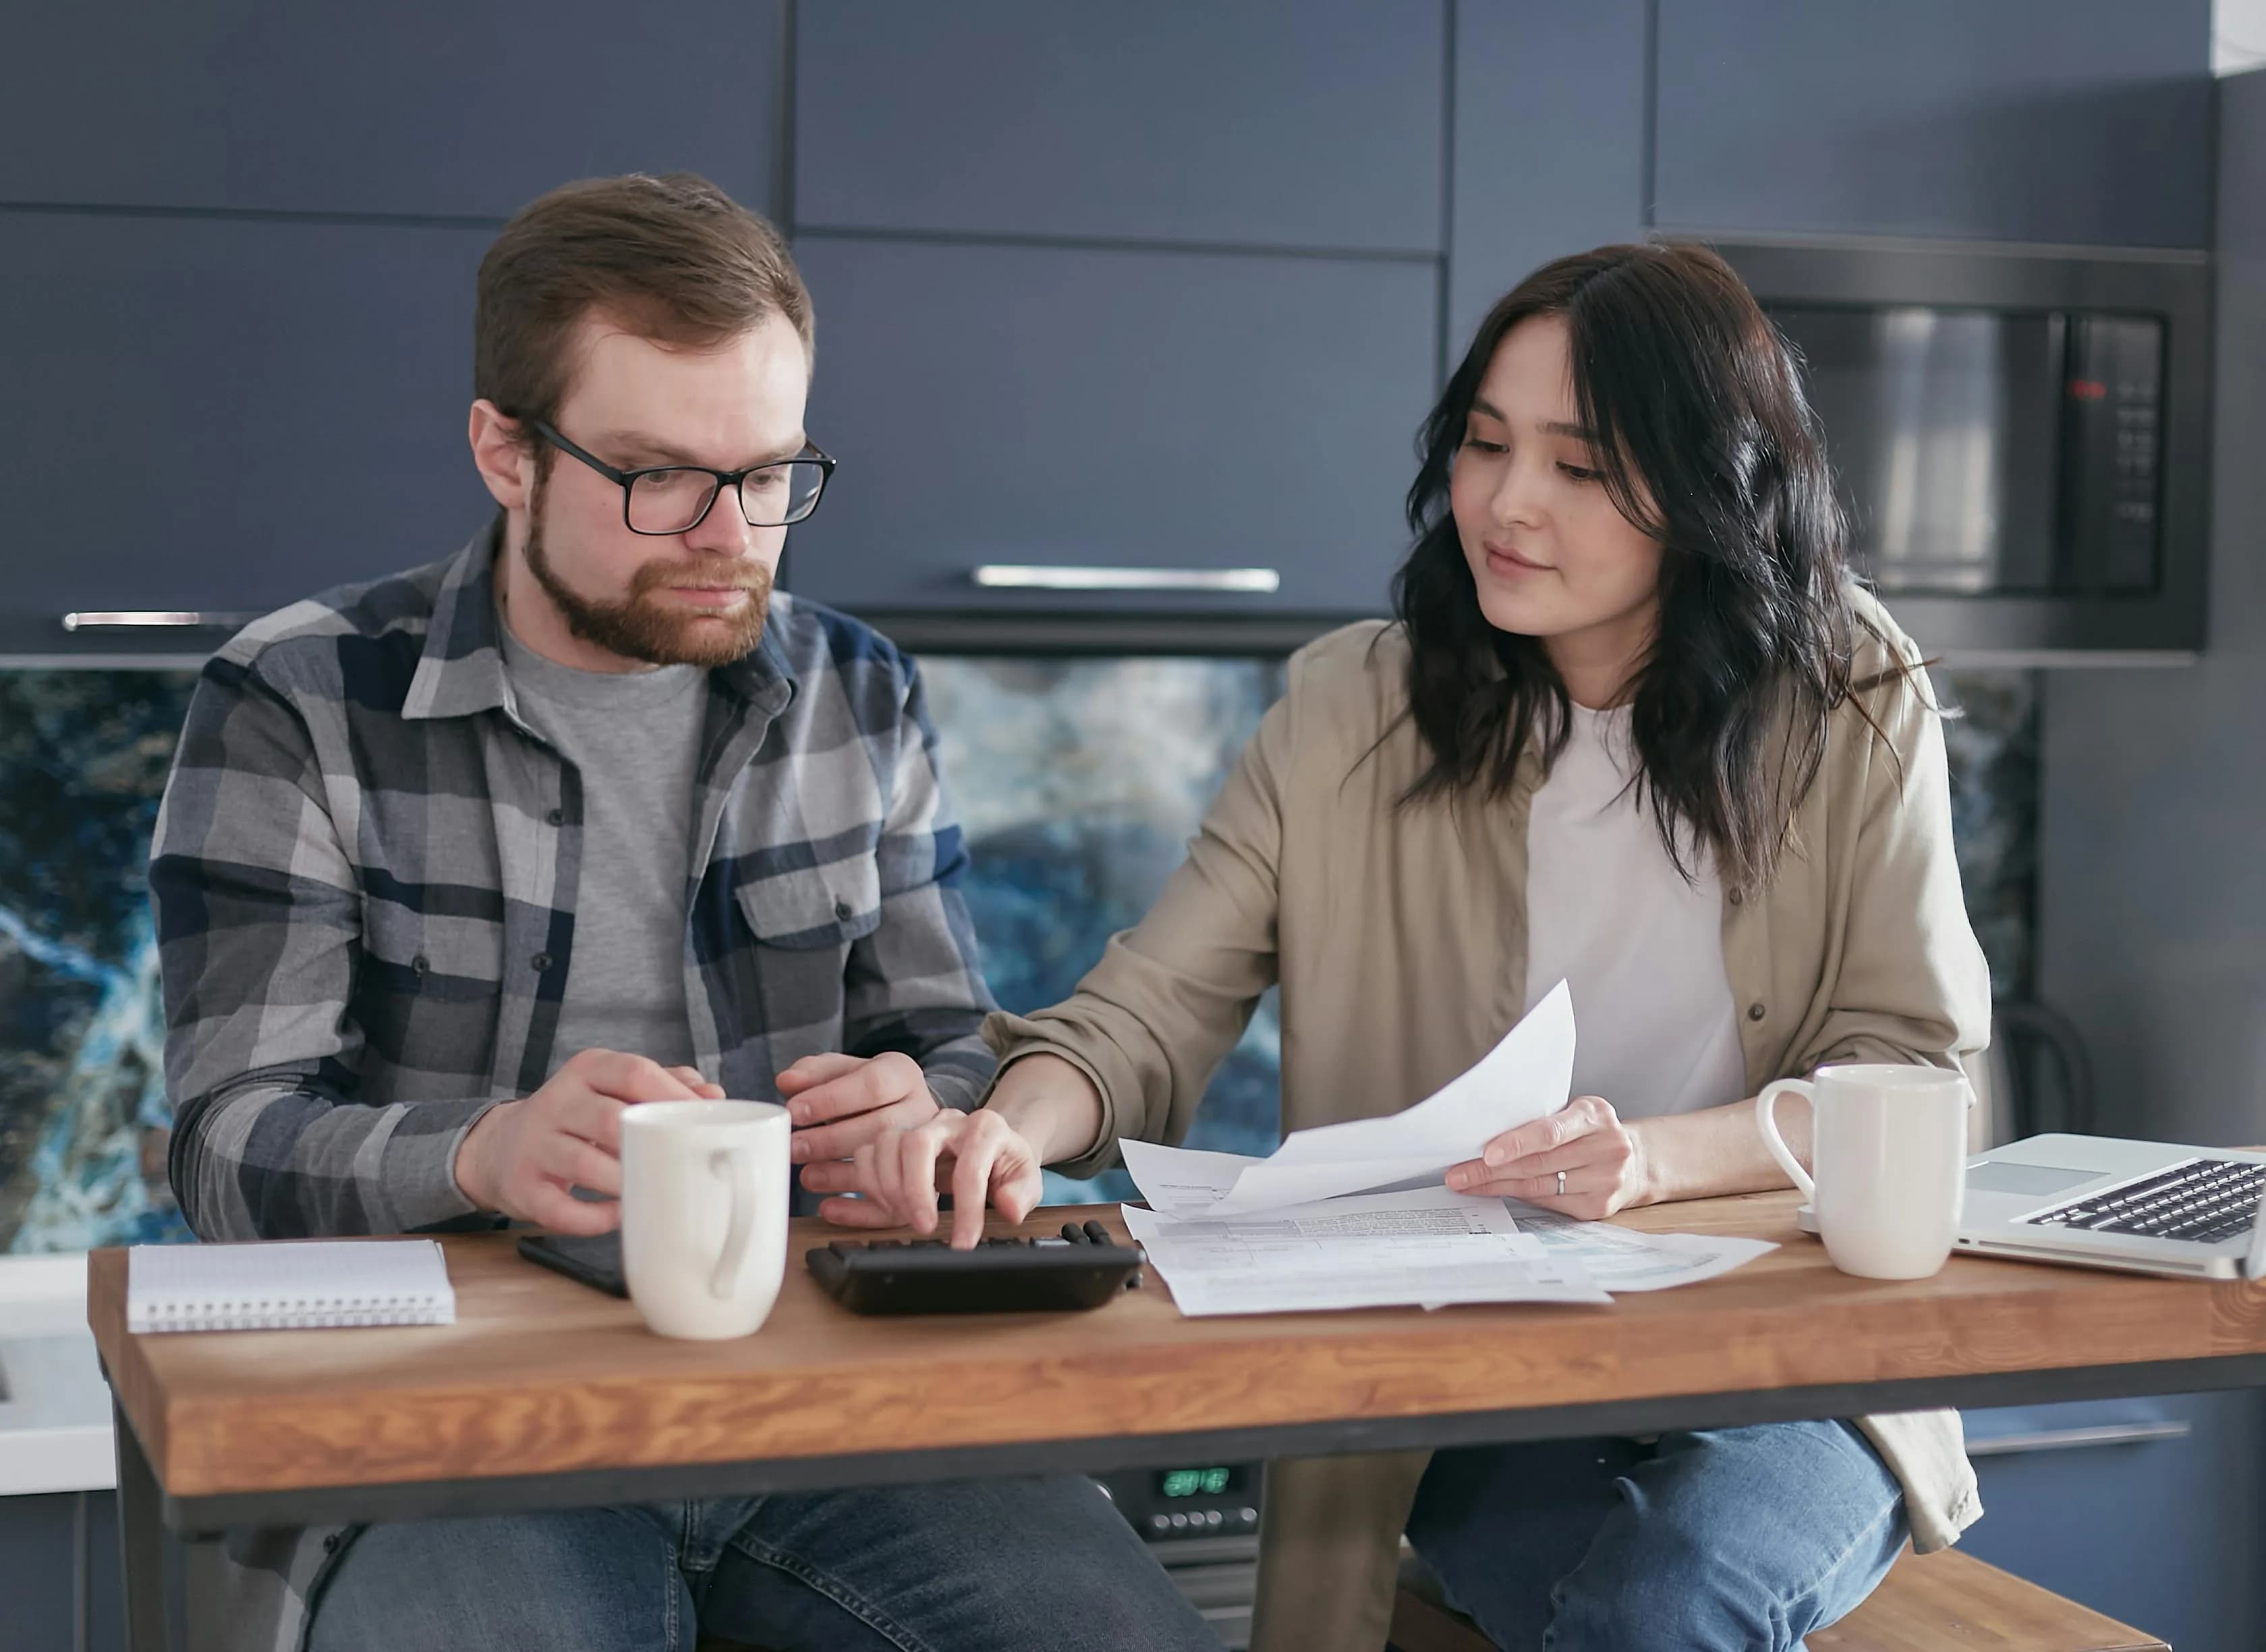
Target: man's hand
(1583, 1161)
(522, 1156)
(1043, 1111)
(978, 1157)
(839, 1103)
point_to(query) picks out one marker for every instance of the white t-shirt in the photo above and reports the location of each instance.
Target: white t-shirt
(1655, 1028)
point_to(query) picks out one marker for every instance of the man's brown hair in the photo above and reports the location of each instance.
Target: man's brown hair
(673, 259)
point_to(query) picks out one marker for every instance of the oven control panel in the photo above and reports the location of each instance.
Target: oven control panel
(1200, 1501)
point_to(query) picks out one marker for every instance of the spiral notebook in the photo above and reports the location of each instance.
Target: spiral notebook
(282, 1285)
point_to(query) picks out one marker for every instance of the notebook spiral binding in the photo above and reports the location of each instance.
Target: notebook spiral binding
(249, 1314)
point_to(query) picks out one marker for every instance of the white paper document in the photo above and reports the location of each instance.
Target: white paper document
(1525, 1076)
(1181, 1181)
(1430, 1245)
(1355, 1215)
(1619, 1260)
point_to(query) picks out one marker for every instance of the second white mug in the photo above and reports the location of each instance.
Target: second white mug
(1890, 1148)
(704, 1214)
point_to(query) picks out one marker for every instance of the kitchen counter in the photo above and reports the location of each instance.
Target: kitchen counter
(55, 1407)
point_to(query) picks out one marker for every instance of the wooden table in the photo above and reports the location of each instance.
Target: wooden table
(545, 1394)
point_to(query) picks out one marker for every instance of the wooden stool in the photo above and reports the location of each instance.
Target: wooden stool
(1946, 1601)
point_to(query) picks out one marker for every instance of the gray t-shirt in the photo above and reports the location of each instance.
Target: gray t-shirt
(635, 738)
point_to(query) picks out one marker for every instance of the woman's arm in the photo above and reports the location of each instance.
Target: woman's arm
(1150, 1022)
(1715, 1151)
(1129, 1053)
(1611, 1163)
(1052, 1105)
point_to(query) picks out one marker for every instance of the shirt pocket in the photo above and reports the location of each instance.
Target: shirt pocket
(813, 907)
(453, 949)
(429, 987)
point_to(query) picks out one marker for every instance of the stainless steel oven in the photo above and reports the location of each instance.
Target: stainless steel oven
(1201, 1523)
(2020, 435)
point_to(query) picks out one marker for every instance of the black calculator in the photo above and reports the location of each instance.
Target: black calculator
(1082, 1268)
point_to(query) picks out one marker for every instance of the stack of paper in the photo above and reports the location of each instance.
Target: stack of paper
(1525, 1076)
(1619, 1259)
(1355, 1216)
(1376, 1251)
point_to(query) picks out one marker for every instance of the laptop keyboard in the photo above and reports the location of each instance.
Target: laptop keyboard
(2204, 1200)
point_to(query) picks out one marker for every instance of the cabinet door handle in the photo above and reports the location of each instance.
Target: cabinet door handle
(1001, 576)
(152, 618)
(2073, 1439)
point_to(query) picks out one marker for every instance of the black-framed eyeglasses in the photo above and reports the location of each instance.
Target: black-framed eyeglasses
(672, 498)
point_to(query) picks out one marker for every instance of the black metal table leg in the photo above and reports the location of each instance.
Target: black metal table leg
(157, 1603)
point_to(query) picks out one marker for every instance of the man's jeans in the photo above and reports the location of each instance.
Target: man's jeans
(1004, 1565)
(1740, 1540)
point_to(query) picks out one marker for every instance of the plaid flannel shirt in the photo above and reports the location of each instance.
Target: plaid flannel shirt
(364, 877)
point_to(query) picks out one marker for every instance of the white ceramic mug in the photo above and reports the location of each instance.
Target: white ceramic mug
(704, 1214)
(1890, 1144)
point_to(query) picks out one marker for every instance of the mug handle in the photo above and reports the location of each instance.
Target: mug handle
(1768, 1127)
(737, 1165)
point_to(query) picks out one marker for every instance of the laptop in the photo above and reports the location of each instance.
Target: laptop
(2144, 1206)
(2148, 1207)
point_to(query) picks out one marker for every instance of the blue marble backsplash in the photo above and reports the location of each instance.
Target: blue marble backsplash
(1079, 781)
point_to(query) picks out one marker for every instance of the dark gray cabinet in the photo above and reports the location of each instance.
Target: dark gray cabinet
(236, 265)
(2146, 1509)
(59, 1567)
(1162, 287)
(1549, 143)
(1060, 407)
(207, 413)
(422, 107)
(1320, 126)
(2076, 120)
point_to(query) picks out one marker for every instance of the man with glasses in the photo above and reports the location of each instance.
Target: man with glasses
(456, 866)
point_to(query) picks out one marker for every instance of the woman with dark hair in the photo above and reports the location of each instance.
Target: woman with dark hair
(1635, 727)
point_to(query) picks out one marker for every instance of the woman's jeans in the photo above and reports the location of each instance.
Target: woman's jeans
(1733, 1539)
(979, 1565)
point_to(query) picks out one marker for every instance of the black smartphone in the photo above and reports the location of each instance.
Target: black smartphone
(595, 1261)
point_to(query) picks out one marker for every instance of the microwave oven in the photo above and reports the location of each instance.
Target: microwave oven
(2020, 435)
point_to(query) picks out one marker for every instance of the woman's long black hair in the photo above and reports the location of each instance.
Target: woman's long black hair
(1706, 442)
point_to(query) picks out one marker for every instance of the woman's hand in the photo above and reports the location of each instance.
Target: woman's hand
(1600, 1159)
(1043, 1110)
(978, 1157)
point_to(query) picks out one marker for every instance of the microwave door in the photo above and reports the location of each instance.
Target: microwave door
(1941, 425)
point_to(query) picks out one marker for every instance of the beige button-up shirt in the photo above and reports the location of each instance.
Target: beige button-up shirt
(1398, 937)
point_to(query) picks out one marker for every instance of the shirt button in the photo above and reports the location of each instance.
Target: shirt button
(419, 965)
(557, 817)
(841, 910)
(1755, 1011)
(1735, 897)
(542, 961)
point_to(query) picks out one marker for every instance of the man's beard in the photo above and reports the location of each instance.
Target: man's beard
(638, 628)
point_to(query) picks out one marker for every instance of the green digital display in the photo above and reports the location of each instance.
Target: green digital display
(1193, 1482)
